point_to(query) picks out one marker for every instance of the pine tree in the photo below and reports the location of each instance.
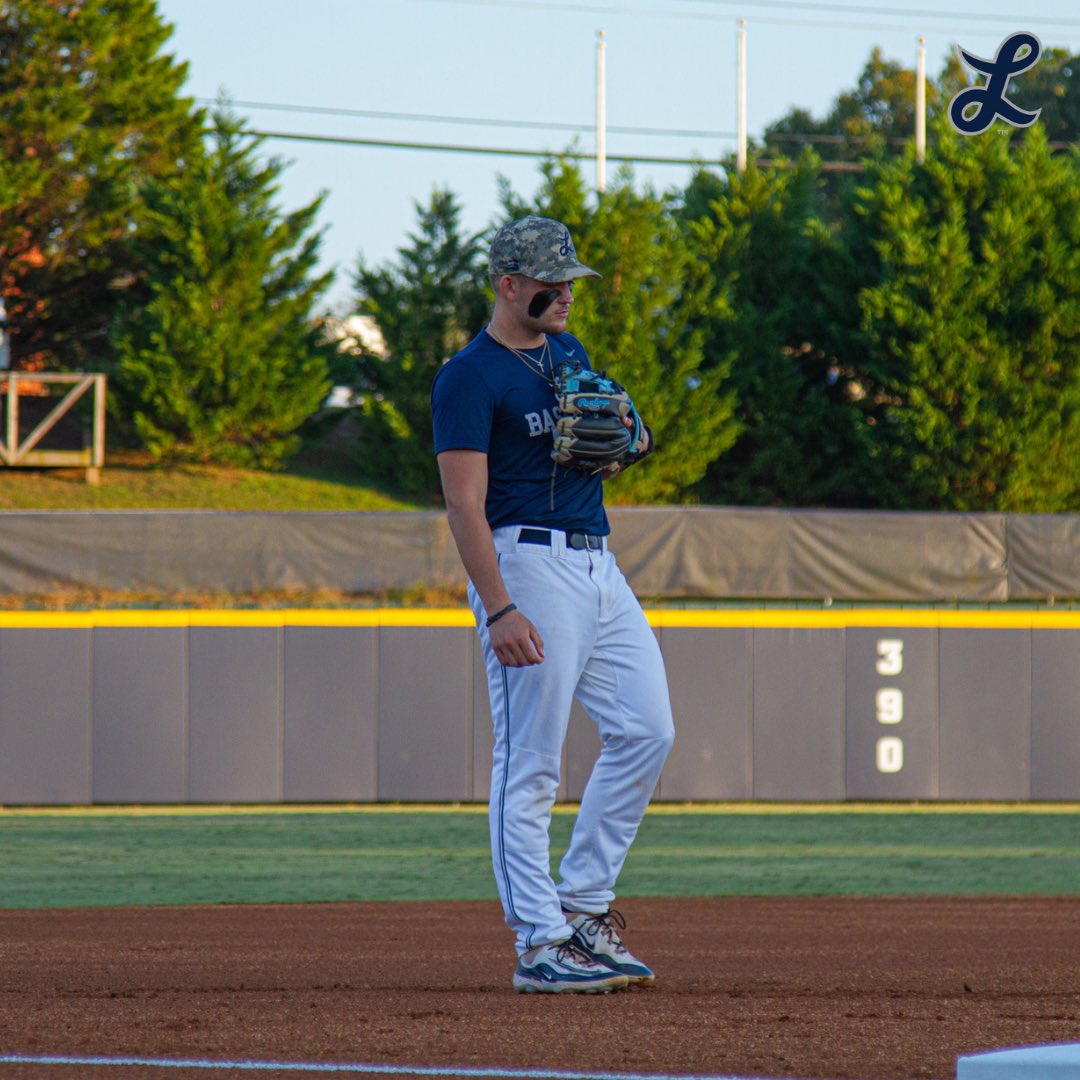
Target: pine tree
(876, 116)
(219, 359)
(641, 324)
(426, 306)
(89, 110)
(971, 321)
(1053, 87)
(781, 293)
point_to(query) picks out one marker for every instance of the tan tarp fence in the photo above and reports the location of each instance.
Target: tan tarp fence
(692, 552)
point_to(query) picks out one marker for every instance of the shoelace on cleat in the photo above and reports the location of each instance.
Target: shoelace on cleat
(570, 949)
(598, 925)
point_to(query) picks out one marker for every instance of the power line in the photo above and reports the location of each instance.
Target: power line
(371, 114)
(595, 9)
(578, 128)
(589, 9)
(592, 9)
(773, 20)
(577, 155)
(504, 151)
(907, 13)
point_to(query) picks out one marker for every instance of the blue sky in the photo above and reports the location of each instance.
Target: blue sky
(519, 64)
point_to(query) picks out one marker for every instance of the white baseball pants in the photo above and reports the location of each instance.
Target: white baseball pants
(599, 648)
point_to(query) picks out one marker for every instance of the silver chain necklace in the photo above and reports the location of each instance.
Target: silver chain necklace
(531, 362)
(537, 367)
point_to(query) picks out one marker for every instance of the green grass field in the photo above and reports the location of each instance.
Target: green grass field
(131, 482)
(191, 855)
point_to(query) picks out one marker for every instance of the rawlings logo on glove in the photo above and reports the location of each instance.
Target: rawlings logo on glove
(591, 432)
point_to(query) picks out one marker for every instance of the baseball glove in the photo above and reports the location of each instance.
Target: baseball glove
(590, 432)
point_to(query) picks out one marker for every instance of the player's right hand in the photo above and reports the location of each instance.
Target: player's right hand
(516, 642)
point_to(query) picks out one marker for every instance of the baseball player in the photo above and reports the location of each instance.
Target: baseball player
(525, 434)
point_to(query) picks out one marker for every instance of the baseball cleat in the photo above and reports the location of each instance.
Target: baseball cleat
(598, 936)
(563, 968)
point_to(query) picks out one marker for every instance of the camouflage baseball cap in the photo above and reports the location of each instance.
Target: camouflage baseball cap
(538, 248)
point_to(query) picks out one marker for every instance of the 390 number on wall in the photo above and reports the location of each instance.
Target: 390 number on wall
(889, 705)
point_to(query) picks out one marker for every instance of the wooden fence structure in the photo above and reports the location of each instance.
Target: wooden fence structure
(16, 450)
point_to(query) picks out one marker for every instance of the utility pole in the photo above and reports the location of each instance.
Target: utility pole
(601, 115)
(740, 96)
(920, 99)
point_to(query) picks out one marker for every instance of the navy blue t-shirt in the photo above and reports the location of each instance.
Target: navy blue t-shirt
(485, 398)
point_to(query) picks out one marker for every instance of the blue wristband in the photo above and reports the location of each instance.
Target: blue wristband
(499, 614)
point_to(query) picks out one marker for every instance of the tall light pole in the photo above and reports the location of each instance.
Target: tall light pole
(601, 115)
(740, 96)
(920, 100)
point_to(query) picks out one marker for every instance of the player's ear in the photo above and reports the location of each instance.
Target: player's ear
(510, 286)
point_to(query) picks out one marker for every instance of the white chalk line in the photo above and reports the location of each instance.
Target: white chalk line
(367, 1068)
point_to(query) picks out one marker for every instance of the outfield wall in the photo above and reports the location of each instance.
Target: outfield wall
(390, 705)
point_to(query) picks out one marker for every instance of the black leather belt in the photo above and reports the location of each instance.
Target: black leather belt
(576, 540)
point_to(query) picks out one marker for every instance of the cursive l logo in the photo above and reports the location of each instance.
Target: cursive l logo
(989, 100)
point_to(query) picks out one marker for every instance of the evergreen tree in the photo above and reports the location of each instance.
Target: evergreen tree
(642, 325)
(88, 112)
(427, 306)
(219, 359)
(782, 293)
(875, 117)
(971, 321)
(1052, 85)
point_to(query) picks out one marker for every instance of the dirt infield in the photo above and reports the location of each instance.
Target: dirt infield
(831, 988)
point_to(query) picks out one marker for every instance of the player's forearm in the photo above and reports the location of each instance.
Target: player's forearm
(472, 534)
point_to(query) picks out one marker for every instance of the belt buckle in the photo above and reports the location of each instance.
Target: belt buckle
(583, 542)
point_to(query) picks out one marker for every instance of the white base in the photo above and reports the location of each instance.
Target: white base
(1060, 1061)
